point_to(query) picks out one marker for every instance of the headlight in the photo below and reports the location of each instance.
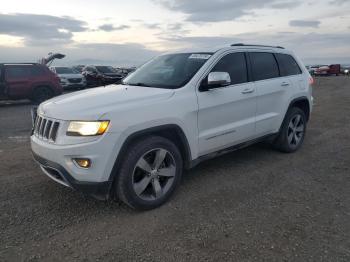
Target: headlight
(87, 128)
(63, 78)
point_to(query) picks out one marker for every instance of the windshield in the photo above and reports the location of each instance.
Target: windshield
(168, 71)
(105, 69)
(65, 70)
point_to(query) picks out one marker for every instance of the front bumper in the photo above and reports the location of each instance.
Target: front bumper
(56, 161)
(98, 190)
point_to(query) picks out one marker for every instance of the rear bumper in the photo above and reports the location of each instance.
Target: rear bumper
(98, 190)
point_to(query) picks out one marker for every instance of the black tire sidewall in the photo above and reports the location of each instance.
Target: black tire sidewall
(37, 94)
(124, 187)
(282, 140)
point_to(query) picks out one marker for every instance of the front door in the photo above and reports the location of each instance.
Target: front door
(226, 115)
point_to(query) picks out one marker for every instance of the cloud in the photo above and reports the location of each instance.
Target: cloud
(152, 25)
(175, 29)
(128, 54)
(339, 2)
(41, 29)
(222, 10)
(310, 46)
(202, 41)
(305, 23)
(111, 27)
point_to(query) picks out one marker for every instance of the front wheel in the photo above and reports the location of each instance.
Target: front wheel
(292, 132)
(149, 173)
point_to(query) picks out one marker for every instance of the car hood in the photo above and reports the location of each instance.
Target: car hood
(92, 104)
(71, 75)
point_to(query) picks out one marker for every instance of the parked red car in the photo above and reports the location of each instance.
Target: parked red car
(328, 70)
(28, 81)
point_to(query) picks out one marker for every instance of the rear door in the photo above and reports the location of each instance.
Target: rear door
(290, 70)
(2, 82)
(272, 92)
(17, 78)
(226, 115)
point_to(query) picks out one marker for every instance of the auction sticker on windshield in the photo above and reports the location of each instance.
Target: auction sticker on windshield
(199, 56)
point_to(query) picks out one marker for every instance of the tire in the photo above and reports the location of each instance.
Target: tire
(144, 183)
(292, 132)
(40, 94)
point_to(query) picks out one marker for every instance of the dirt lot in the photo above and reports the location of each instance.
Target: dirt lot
(254, 204)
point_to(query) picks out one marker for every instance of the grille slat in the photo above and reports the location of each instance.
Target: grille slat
(42, 127)
(38, 125)
(53, 133)
(46, 129)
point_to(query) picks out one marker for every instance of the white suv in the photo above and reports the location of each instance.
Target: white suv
(132, 141)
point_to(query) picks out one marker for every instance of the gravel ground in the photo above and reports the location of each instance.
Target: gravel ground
(255, 204)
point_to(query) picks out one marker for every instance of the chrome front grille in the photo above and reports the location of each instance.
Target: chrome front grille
(46, 129)
(75, 80)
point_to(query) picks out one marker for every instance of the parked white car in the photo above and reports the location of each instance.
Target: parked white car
(69, 78)
(133, 141)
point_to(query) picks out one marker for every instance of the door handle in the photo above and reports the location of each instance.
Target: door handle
(248, 91)
(285, 84)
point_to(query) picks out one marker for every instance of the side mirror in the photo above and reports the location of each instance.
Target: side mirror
(216, 80)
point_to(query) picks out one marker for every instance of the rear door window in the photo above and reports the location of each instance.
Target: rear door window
(37, 71)
(287, 64)
(17, 71)
(264, 65)
(234, 64)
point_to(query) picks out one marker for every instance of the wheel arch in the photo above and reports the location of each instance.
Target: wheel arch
(40, 85)
(170, 131)
(303, 103)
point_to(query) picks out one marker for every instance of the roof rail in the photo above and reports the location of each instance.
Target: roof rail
(241, 44)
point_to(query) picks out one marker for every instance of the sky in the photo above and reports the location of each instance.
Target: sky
(128, 33)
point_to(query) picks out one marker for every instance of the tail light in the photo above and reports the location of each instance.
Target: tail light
(311, 81)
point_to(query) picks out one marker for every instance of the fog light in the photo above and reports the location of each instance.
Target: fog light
(82, 162)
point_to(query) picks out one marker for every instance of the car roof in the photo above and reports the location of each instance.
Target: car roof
(26, 64)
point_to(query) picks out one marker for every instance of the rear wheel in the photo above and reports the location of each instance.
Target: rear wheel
(41, 94)
(149, 173)
(292, 132)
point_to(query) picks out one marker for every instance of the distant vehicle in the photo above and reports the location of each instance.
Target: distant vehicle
(28, 81)
(345, 69)
(69, 78)
(101, 75)
(328, 70)
(124, 71)
(312, 69)
(78, 68)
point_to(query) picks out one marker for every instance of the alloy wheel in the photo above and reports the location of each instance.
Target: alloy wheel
(154, 174)
(295, 131)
